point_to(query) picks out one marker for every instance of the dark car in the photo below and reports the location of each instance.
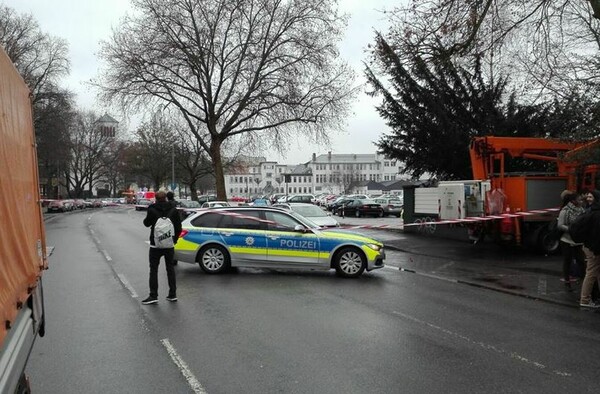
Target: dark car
(338, 203)
(360, 208)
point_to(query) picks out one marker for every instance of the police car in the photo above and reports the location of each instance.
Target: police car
(272, 238)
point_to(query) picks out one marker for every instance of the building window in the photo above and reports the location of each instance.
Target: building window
(386, 164)
(393, 164)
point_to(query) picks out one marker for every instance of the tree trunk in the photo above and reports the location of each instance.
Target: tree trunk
(193, 191)
(215, 155)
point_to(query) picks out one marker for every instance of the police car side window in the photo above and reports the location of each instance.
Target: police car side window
(207, 220)
(246, 219)
(280, 222)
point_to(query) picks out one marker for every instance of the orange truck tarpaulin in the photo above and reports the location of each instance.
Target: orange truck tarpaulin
(22, 241)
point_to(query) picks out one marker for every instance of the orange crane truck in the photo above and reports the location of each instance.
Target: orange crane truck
(22, 243)
(510, 207)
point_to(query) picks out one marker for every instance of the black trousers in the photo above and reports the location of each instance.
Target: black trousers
(571, 253)
(154, 257)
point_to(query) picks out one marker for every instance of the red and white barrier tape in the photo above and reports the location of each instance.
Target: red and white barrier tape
(471, 219)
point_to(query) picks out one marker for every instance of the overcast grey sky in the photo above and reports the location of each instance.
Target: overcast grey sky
(84, 23)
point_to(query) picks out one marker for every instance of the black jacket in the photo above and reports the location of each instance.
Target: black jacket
(593, 240)
(158, 210)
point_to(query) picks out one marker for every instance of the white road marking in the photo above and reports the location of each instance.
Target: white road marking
(127, 285)
(542, 286)
(183, 367)
(483, 345)
(106, 255)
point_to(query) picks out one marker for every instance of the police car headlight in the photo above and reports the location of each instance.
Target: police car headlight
(376, 248)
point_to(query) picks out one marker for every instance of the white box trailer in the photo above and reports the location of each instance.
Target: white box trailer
(452, 199)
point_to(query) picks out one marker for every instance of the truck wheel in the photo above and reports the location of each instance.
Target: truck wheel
(547, 243)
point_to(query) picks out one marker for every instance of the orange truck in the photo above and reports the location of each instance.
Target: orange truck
(23, 255)
(510, 207)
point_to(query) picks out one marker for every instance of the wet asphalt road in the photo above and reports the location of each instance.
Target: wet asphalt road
(266, 331)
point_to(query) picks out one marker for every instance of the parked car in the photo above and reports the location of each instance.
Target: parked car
(312, 212)
(238, 199)
(264, 237)
(188, 204)
(142, 204)
(56, 206)
(391, 206)
(338, 203)
(305, 198)
(262, 202)
(215, 204)
(275, 197)
(207, 197)
(358, 208)
(79, 203)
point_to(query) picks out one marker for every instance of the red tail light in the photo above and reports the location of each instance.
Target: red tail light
(183, 233)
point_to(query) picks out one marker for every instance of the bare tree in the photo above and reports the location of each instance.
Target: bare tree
(233, 66)
(156, 141)
(546, 46)
(87, 149)
(114, 167)
(194, 166)
(40, 58)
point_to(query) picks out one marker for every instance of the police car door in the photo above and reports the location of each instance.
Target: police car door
(244, 234)
(288, 247)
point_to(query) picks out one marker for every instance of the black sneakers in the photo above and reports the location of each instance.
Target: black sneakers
(172, 298)
(150, 300)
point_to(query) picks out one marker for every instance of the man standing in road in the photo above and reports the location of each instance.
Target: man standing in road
(162, 209)
(592, 252)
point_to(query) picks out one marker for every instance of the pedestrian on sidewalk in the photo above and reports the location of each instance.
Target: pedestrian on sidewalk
(569, 211)
(591, 249)
(162, 208)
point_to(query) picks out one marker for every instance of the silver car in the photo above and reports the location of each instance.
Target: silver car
(312, 212)
(391, 206)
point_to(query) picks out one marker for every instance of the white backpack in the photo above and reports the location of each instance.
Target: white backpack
(164, 231)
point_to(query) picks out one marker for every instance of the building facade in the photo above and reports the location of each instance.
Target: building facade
(326, 173)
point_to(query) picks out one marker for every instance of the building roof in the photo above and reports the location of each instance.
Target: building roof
(346, 158)
(300, 169)
(106, 118)
(371, 185)
(395, 184)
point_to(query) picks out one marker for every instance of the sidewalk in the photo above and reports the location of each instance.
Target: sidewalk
(486, 265)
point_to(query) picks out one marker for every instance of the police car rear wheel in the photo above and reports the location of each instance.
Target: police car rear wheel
(349, 262)
(213, 259)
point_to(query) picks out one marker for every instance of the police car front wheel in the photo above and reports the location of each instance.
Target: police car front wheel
(213, 259)
(349, 262)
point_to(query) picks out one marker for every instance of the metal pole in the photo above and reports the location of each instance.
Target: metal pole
(173, 168)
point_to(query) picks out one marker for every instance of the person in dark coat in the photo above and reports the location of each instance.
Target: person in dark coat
(591, 247)
(161, 208)
(570, 210)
